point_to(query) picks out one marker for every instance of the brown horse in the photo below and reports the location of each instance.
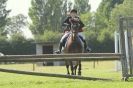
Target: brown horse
(73, 45)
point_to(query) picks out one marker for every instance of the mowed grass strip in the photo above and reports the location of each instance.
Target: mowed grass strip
(102, 69)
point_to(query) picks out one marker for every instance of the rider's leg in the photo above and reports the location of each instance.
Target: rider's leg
(82, 37)
(62, 41)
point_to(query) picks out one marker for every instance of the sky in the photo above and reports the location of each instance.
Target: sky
(94, 4)
(22, 7)
(18, 6)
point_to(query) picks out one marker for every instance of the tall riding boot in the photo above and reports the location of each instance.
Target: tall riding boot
(60, 46)
(85, 47)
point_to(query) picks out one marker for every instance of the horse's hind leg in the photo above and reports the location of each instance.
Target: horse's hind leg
(79, 70)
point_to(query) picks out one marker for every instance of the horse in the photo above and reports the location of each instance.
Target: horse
(73, 45)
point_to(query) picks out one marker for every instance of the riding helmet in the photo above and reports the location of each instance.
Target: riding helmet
(73, 10)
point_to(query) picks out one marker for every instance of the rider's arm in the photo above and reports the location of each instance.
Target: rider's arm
(66, 22)
(81, 24)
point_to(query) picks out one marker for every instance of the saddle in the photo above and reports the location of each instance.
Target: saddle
(65, 39)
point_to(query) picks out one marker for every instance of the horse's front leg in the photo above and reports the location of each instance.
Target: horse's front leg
(75, 68)
(67, 66)
(79, 70)
(72, 73)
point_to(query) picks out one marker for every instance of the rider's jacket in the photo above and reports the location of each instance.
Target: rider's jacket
(70, 20)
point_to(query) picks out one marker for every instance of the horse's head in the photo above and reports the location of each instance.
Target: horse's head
(74, 29)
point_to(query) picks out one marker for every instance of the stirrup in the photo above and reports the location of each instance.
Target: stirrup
(58, 52)
(88, 49)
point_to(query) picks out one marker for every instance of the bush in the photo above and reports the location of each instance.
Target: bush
(17, 45)
(100, 42)
(49, 36)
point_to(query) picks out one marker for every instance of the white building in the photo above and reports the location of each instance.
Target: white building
(47, 48)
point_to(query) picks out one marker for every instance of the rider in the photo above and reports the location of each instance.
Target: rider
(72, 18)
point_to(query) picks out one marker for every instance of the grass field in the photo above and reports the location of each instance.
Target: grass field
(103, 69)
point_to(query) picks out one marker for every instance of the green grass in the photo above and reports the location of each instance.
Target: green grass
(103, 69)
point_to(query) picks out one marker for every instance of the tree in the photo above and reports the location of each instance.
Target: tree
(47, 15)
(56, 14)
(38, 15)
(100, 31)
(82, 6)
(107, 6)
(3, 15)
(125, 9)
(16, 24)
(103, 15)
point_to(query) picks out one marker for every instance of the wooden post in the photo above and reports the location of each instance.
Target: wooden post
(34, 66)
(52, 75)
(123, 52)
(94, 65)
(117, 49)
(129, 49)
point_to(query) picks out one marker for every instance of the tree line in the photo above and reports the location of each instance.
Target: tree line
(47, 16)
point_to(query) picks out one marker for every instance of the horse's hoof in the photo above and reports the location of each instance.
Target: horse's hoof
(79, 74)
(125, 79)
(72, 74)
(57, 52)
(87, 50)
(68, 74)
